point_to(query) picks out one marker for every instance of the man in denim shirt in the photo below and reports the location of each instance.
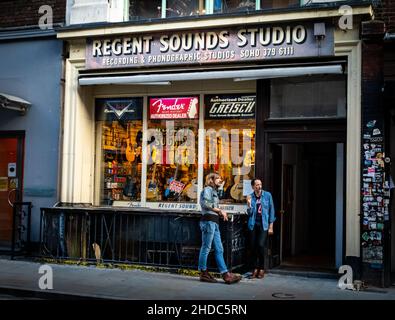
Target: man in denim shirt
(209, 225)
(261, 216)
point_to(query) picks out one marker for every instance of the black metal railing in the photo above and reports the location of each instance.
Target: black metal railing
(135, 237)
(21, 228)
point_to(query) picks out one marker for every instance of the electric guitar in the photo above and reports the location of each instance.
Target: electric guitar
(130, 154)
(130, 189)
(152, 188)
(220, 191)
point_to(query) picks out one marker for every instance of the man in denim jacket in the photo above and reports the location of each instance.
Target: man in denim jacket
(261, 216)
(209, 226)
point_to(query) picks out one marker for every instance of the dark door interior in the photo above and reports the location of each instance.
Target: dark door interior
(307, 211)
(287, 210)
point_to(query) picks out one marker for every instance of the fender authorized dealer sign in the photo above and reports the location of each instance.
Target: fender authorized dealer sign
(233, 44)
(174, 108)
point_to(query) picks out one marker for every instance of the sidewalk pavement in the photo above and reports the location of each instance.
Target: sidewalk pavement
(78, 282)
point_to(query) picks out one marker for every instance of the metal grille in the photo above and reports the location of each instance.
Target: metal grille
(157, 239)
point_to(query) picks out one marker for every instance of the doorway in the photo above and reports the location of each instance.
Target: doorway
(309, 184)
(11, 164)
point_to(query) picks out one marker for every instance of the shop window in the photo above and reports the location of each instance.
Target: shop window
(230, 143)
(172, 168)
(308, 97)
(182, 8)
(140, 9)
(278, 4)
(224, 6)
(119, 126)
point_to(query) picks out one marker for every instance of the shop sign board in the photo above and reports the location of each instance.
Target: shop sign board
(174, 108)
(210, 46)
(230, 106)
(115, 109)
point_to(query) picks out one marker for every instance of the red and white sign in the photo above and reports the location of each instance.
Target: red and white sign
(176, 186)
(174, 108)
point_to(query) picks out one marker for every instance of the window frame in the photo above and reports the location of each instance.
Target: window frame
(143, 203)
(207, 6)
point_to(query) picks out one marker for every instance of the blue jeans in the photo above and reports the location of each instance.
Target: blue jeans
(210, 235)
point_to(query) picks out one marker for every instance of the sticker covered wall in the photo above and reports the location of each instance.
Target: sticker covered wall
(374, 202)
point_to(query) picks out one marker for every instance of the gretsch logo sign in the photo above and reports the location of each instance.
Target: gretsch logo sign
(233, 44)
(174, 108)
(236, 106)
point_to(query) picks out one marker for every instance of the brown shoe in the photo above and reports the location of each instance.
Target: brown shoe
(230, 278)
(205, 276)
(261, 274)
(255, 274)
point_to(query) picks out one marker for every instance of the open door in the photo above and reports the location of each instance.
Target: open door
(282, 191)
(305, 179)
(11, 164)
(286, 210)
(274, 241)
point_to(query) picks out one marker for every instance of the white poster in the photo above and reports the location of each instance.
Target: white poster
(247, 189)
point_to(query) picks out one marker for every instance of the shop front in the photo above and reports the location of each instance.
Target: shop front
(149, 113)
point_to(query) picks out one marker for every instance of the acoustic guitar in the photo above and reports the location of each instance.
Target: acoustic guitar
(236, 191)
(191, 190)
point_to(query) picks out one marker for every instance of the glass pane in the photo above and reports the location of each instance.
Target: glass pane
(277, 4)
(179, 8)
(230, 142)
(233, 5)
(172, 149)
(315, 96)
(121, 143)
(140, 9)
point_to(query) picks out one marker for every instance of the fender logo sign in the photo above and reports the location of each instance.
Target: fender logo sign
(174, 108)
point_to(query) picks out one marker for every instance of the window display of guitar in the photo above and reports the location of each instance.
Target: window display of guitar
(133, 151)
(153, 188)
(131, 187)
(191, 189)
(236, 191)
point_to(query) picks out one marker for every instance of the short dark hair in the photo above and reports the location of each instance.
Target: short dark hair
(253, 181)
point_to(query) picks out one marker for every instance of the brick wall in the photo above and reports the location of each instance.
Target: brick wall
(20, 13)
(385, 11)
